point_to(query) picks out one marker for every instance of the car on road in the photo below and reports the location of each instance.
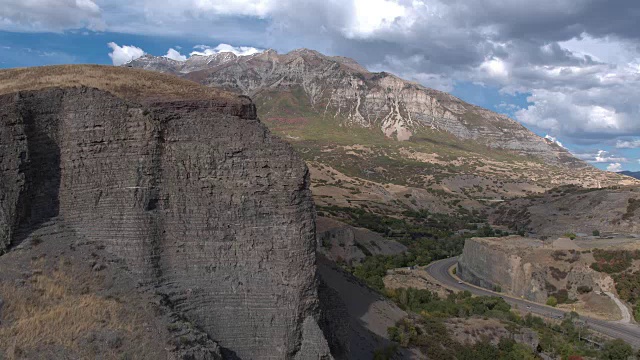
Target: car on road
(528, 306)
(459, 281)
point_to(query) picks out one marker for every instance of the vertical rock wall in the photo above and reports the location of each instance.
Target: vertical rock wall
(196, 196)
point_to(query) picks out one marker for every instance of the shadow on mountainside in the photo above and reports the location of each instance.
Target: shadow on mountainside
(369, 313)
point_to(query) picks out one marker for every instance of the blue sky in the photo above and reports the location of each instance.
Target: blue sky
(569, 69)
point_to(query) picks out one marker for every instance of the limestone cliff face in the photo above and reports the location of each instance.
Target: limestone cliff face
(525, 267)
(195, 195)
(337, 87)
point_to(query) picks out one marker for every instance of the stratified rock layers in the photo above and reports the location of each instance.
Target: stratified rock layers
(528, 268)
(196, 196)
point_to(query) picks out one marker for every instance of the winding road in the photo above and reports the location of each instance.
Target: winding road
(439, 270)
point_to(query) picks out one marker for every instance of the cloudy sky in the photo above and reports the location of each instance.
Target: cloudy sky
(566, 69)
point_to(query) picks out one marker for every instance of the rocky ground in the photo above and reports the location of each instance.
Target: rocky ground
(573, 210)
(67, 298)
(346, 122)
(350, 245)
(369, 313)
(537, 270)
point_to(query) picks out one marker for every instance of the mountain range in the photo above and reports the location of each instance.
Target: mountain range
(376, 139)
(633, 174)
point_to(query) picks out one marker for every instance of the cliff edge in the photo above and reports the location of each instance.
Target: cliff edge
(180, 181)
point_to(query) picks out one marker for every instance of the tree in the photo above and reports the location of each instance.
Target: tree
(552, 301)
(596, 232)
(616, 350)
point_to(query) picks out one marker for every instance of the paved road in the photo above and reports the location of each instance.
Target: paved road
(630, 333)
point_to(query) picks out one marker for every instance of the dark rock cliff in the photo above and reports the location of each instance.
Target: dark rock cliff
(196, 196)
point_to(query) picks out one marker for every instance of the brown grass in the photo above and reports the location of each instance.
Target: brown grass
(47, 311)
(129, 83)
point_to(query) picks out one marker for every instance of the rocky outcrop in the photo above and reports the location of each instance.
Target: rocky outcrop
(339, 88)
(196, 196)
(574, 210)
(344, 243)
(529, 268)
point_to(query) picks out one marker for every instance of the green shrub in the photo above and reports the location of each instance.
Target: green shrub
(616, 350)
(584, 289)
(613, 261)
(552, 301)
(596, 232)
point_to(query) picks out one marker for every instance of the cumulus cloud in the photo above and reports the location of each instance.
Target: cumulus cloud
(578, 59)
(628, 144)
(370, 16)
(601, 156)
(553, 140)
(123, 54)
(175, 55)
(495, 68)
(50, 15)
(615, 167)
(205, 50)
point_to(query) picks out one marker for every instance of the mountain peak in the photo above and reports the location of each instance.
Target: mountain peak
(340, 89)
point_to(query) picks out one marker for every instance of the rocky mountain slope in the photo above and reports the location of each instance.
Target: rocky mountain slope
(182, 184)
(387, 143)
(571, 209)
(339, 88)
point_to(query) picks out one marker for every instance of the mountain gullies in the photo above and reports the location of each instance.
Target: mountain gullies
(340, 88)
(198, 199)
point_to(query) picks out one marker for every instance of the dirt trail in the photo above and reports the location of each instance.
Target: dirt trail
(624, 311)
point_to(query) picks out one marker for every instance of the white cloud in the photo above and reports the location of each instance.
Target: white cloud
(50, 15)
(123, 54)
(589, 111)
(175, 55)
(615, 167)
(580, 64)
(258, 8)
(495, 68)
(238, 50)
(628, 144)
(601, 156)
(369, 16)
(553, 140)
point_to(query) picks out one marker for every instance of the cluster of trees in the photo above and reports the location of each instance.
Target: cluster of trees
(460, 304)
(412, 225)
(614, 261)
(429, 333)
(628, 287)
(432, 338)
(428, 237)
(421, 252)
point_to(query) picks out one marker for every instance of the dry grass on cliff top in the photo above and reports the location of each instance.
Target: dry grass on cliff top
(54, 311)
(128, 83)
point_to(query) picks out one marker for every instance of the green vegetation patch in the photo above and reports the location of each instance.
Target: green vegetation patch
(428, 237)
(613, 261)
(633, 205)
(628, 287)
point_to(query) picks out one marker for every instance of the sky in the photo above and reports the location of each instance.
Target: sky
(569, 70)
